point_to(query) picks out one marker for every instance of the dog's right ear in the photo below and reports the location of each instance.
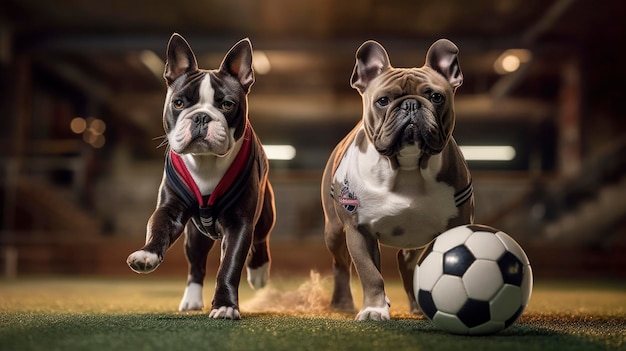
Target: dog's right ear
(180, 59)
(371, 61)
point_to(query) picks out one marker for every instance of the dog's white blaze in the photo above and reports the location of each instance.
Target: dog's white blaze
(192, 298)
(207, 96)
(412, 200)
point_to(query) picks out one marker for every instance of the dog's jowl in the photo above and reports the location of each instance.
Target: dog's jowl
(399, 178)
(215, 184)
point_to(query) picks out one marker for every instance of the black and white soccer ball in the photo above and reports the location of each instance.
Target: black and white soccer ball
(473, 280)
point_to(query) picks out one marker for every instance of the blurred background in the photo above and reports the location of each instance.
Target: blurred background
(540, 116)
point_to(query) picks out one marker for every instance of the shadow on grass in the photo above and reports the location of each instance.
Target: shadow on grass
(528, 334)
(262, 331)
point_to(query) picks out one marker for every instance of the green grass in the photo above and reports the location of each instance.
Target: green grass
(139, 314)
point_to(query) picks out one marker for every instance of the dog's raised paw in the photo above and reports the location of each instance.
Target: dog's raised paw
(225, 313)
(192, 298)
(143, 261)
(374, 314)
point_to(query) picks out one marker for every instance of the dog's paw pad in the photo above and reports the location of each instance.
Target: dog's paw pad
(374, 313)
(258, 277)
(143, 261)
(192, 298)
(225, 313)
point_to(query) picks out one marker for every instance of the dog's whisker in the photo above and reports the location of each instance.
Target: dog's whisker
(164, 141)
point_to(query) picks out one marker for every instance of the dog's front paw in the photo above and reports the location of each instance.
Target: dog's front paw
(258, 277)
(374, 314)
(224, 312)
(143, 261)
(192, 298)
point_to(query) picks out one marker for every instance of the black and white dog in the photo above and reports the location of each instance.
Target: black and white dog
(215, 184)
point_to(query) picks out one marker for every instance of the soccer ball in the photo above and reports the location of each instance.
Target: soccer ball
(473, 280)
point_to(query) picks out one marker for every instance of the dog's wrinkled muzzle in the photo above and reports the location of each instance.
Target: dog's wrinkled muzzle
(409, 110)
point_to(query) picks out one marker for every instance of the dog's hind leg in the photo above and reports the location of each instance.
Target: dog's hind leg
(197, 247)
(407, 259)
(259, 260)
(342, 263)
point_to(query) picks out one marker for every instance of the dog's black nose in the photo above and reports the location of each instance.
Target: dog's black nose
(201, 119)
(410, 105)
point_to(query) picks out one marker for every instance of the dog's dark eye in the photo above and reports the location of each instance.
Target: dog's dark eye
(436, 98)
(383, 101)
(227, 105)
(178, 104)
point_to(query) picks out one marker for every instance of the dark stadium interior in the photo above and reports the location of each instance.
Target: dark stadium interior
(77, 201)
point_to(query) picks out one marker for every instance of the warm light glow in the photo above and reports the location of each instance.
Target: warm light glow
(92, 130)
(97, 126)
(510, 63)
(488, 153)
(280, 152)
(98, 141)
(261, 63)
(511, 60)
(78, 125)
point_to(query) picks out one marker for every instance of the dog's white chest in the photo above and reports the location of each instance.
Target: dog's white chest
(403, 209)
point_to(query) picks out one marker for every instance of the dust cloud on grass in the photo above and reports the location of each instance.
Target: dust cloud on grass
(310, 297)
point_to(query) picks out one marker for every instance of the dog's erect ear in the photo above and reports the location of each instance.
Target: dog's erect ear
(371, 61)
(443, 58)
(180, 59)
(238, 63)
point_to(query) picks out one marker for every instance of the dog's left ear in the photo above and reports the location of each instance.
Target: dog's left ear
(180, 59)
(443, 58)
(238, 63)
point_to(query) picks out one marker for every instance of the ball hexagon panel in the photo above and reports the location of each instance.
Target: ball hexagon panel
(449, 294)
(457, 260)
(482, 280)
(451, 238)
(474, 313)
(504, 305)
(485, 245)
(428, 272)
(450, 323)
(513, 318)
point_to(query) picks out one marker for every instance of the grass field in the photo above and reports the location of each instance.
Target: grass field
(139, 314)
